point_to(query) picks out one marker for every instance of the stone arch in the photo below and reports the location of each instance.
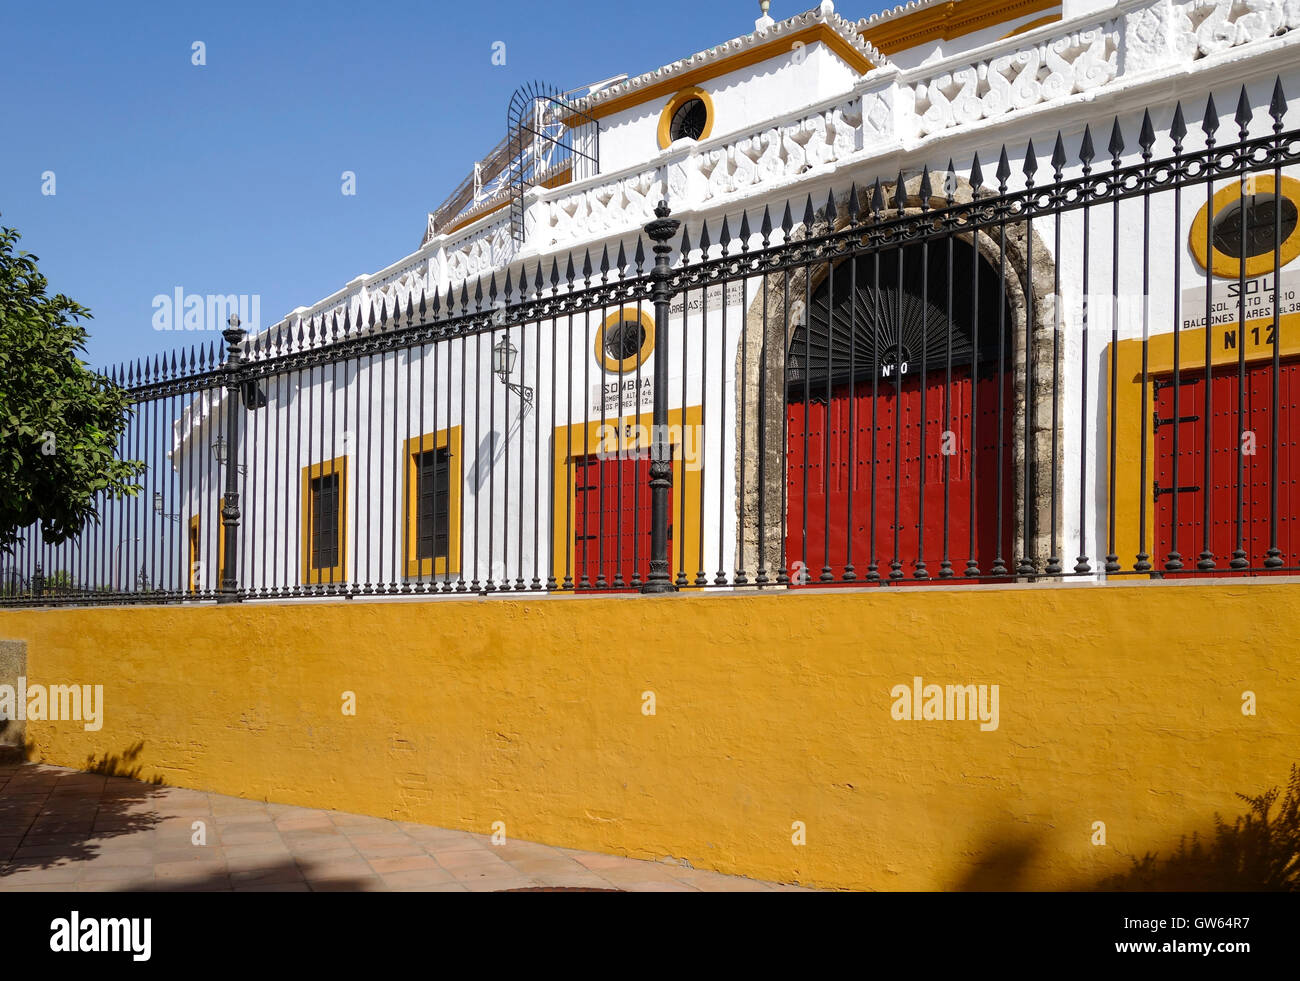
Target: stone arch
(760, 396)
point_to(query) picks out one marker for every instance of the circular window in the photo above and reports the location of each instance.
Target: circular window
(625, 340)
(1263, 224)
(688, 115)
(1266, 215)
(688, 121)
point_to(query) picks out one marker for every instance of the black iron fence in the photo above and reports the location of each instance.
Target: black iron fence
(1078, 366)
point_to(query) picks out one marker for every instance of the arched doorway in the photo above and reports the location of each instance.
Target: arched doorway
(899, 415)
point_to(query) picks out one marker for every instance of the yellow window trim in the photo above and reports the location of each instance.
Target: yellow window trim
(448, 439)
(334, 573)
(675, 103)
(195, 545)
(221, 544)
(1133, 488)
(634, 361)
(685, 541)
(1225, 266)
(195, 550)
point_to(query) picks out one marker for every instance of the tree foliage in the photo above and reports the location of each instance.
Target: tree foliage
(59, 421)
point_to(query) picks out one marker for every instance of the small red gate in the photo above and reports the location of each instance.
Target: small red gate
(612, 502)
(1244, 440)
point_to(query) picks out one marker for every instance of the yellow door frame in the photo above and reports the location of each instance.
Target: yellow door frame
(1133, 421)
(568, 445)
(195, 550)
(196, 547)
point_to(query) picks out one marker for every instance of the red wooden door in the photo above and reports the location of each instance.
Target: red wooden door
(825, 483)
(612, 522)
(1232, 438)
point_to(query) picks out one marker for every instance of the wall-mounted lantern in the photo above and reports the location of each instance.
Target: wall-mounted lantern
(504, 355)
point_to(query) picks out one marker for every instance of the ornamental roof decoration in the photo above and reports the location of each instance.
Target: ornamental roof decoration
(823, 14)
(902, 10)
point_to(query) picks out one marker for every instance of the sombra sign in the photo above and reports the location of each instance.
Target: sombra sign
(618, 394)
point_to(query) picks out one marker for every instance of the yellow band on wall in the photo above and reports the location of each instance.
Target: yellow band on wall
(1121, 704)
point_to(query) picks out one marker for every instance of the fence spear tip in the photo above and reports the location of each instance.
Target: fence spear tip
(1116, 145)
(1147, 134)
(1243, 112)
(1178, 128)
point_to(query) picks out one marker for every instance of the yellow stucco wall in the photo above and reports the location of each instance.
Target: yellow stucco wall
(1120, 704)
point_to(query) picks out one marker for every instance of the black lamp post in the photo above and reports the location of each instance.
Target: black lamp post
(659, 579)
(234, 337)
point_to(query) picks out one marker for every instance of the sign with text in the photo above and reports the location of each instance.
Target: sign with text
(620, 395)
(694, 299)
(1258, 299)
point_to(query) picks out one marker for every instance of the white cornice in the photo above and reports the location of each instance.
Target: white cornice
(823, 14)
(902, 10)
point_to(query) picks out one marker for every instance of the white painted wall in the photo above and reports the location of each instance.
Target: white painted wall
(772, 89)
(1146, 75)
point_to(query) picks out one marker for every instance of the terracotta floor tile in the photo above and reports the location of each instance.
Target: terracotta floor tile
(327, 869)
(63, 830)
(403, 863)
(417, 878)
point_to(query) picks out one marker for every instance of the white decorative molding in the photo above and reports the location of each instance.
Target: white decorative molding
(1218, 26)
(1014, 81)
(1169, 33)
(878, 115)
(698, 175)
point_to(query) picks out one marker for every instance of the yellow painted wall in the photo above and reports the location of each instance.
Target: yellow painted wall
(1119, 704)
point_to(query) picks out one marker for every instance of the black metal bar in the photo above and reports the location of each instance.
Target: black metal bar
(660, 231)
(234, 337)
(1174, 560)
(1273, 558)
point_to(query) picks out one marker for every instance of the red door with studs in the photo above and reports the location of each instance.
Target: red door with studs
(827, 482)
(611, 506)
(1243, 440)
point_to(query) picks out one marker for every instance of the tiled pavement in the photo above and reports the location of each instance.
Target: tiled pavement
(63, 830)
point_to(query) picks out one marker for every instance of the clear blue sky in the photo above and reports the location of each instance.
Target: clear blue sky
(225, 178)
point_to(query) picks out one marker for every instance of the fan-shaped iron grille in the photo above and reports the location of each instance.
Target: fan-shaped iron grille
(864, 319)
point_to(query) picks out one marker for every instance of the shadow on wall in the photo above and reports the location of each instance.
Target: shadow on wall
(113, 765)
(52, 817)
(1258, 852)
